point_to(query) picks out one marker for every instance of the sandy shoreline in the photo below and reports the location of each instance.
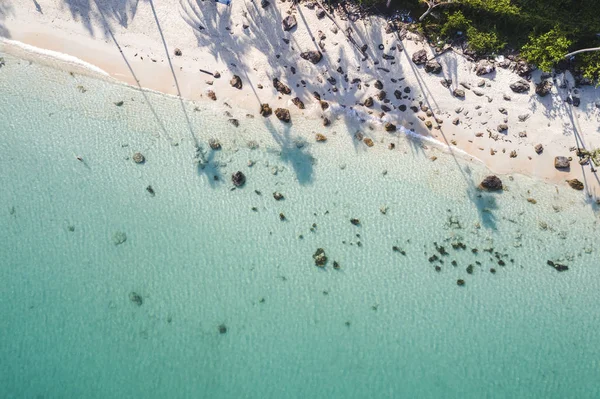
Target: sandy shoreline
(135, 44)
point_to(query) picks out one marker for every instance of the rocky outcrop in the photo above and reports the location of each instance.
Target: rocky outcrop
(238, 179)
(543, 88)
(484, 67)
(312, 56)
(433, 66)
(283, 115)
(289, 23)
(491, 183)
(280, 87)
(520, 86)
(561, 162)
(420, 57)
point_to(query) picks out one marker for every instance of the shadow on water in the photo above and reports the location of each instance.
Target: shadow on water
(121, 11)
(6, 10)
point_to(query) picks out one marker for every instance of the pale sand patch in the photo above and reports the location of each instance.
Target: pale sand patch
(122, 37)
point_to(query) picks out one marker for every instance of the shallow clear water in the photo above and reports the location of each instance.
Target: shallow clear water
(199, 256)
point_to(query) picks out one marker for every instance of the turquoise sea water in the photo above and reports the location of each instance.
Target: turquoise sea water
(232, 304)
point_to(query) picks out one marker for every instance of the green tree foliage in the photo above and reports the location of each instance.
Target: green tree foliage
(484, 42)
(547, 49)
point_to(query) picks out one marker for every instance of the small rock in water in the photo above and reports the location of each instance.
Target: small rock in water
(214, 144)
(558, 266)
(320, 138)
(119, 238)
(136, 298)
(355, 222)
(460, 282)
(238, 179)
(278, 196)
(138, 158)
(320, 257)
(119, 103)
(222, 329)
(336, 265)
(150, 191)
(234, 122)
(491, 183)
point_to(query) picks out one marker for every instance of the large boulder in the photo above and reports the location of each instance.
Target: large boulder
(520, 86)
(283, 115)
(312, 56)
(561, 162)
(491, 183)
(280, 87)
(484, 67)
(432, 66)
(543, 88)
(289, 23)
(420, 57)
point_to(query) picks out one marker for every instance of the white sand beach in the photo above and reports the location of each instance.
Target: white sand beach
(135, 42)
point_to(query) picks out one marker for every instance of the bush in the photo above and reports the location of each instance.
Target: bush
(456, 22)
(484, 42)
(547, 49)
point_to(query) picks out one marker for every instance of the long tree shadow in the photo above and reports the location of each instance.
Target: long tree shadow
(121, 11)
(6, 10)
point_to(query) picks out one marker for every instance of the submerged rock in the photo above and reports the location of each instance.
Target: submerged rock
(138, 157)
(320, 257)
(238, 179)
(355, 221)
(558, 266)
(491, 183)
(119, 238)
(136, 298)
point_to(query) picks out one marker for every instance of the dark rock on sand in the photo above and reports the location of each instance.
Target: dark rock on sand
(264, 3)
(575, 184)
(491, 183)
(543, 88)
(312, 56)
(238, 179)
(280, 87)
(539, 148)
(265, 110)
(298, 103)
(402, 107)
(234, 122)
(320, 257)
(378, 85)
(389, 127)
(420, 57)
(211, 94)
(178, 52)
(460, 93)
(433, 66)
(561, 162)
(320, 13)
(289, 23)
(283, 115)
(520, 86)
(236, 82)
(368, 102)
(397, 94)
